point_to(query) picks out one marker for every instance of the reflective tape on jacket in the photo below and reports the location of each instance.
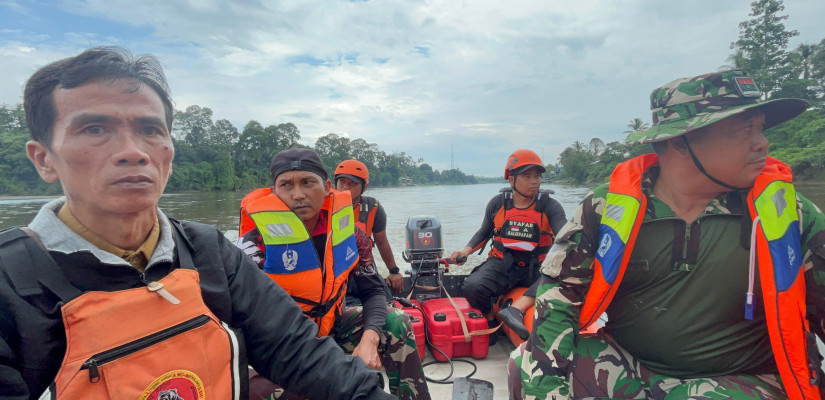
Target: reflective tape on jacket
(319, 286)
(772, 204)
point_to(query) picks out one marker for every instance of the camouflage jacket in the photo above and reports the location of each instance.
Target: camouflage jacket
(568, 270)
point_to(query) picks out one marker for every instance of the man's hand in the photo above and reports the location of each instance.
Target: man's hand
(367, 349)
(395, 282)
(459, 253)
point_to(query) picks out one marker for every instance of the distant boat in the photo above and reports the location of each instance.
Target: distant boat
(407, 182)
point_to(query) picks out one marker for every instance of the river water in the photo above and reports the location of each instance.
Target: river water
(459, 209)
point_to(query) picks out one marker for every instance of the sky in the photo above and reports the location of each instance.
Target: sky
(471, 80)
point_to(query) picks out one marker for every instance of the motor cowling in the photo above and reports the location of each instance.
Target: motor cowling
(423, 247)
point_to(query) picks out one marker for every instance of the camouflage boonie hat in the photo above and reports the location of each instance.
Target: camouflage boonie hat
(691, 103)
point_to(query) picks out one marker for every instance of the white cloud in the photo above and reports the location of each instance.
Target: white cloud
(488, 76)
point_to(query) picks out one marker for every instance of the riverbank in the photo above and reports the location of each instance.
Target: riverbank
(28, 197)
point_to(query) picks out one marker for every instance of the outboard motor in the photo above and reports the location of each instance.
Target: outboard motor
(423, 246)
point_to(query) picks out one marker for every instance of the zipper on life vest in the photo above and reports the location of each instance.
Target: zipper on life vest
(123, 350)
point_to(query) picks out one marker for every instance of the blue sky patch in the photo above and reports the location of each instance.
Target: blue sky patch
(423, 50)
(306, 59)
(33, 19)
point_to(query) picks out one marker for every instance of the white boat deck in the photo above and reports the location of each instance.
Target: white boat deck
(492, 369)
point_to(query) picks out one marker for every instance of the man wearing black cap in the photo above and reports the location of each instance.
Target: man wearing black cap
(303, 235)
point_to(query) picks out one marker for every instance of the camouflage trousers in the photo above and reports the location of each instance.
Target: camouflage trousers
(398, 352)
(602, 369)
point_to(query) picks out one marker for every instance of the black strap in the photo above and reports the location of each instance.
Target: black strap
(702, 169)
(182, 246)
(365, 206)
(31, 268)
(320, 309)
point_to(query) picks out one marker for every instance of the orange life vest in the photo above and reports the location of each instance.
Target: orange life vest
(137, 344)
(365, 214)
(778, 251)
(522, 230)
(291, 260)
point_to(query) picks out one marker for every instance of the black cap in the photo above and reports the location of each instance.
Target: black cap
(297, 160)
(356, 179)
(522, 169)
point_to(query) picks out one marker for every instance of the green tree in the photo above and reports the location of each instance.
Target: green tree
(17, 174)
(763, 41)
(596, 146)
(253, 153)
(736, 60)
(365, 152)
(574, 162)
(636, 125)
(333, 149)
(800, 143)
(286, 135)
(800, 83)
(817, 63)
(426, 173)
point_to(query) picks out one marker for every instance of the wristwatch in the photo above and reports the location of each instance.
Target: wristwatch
(393, 270)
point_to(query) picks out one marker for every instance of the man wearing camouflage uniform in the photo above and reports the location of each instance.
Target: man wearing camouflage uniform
(381, 336)
(709, 265)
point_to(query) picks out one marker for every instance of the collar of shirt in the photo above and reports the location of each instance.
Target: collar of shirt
(138, 258)
(321, 226)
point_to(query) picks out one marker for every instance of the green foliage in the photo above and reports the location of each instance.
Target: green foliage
(807, 80)
(333, 149)
(800, 143)
(636, 125)
(595, 161)
(17, 174)
(575, 161)
(391, 169)
(213, 155)
(763, 43)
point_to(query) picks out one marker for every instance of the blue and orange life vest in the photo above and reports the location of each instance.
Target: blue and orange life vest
(291, 260)
(522, 230)
(772, 204)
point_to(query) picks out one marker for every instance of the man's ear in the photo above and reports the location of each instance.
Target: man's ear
(512, 179)
(327, 187)
(40, 156)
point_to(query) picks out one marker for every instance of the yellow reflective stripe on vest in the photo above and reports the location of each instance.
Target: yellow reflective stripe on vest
(620, 213)
(280, 227)
(776, 206)
(343, 225)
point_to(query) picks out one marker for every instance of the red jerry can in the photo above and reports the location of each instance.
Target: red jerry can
(444, 329)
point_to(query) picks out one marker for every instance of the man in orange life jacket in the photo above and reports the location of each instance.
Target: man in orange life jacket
(104, 296)
(521, 222)
(353, 176)
(304, 236)
(706, 260)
